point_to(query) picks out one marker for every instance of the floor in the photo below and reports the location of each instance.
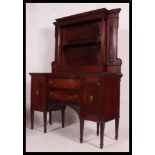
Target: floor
(66, 139)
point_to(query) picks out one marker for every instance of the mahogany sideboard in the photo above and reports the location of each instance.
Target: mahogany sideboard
(86, 72)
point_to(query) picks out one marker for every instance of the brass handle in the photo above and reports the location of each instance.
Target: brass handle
(37, 92)
(91, 99)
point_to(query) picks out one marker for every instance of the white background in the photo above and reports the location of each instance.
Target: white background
(11, 62)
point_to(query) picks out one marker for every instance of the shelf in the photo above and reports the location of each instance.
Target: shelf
(91, 41)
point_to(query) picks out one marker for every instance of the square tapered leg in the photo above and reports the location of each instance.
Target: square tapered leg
(32, 118)
(63, 117)
(45, 121)
(81, 130)
(116, 127)
(50, 117)
(102, 126)
(97, 132)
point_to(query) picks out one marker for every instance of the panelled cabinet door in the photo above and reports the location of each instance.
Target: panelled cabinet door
(38, 93)
(90, 98)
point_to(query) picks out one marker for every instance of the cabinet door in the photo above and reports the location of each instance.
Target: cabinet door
(38, 93)
(90, 100)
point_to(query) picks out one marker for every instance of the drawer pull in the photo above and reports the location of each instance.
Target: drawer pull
(98, 84)
(75, 95)
(51, 93)
(91, 99)
(37, 92)
(50, 81)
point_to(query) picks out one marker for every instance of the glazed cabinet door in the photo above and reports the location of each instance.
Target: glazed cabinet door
(38, 100)
(90, 98)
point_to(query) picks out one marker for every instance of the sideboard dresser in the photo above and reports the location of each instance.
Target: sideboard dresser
(86, 72)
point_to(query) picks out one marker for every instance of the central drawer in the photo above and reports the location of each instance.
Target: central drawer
(65, 96)
(63, 83)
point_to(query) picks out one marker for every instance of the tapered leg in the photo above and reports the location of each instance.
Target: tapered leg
(116, 127)
(63, 116)
(50, 117)
(97, 129)
(32, 118)
(81, 130)
(45, 120)
(102, 125)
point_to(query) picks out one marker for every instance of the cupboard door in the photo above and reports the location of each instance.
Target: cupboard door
(90, 99)
(38, 93)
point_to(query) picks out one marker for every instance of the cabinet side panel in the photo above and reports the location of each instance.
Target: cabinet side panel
(109, 108)
(38, 90)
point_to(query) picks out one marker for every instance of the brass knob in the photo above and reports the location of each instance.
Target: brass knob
(98, 84)
(51, 93)
(50, 81)
(37, 92)
(75, 95)
(91, 99)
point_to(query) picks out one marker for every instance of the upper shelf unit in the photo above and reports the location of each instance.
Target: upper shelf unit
(82, 33)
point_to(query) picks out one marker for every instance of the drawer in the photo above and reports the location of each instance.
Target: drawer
(65, 96)
(63, 83)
